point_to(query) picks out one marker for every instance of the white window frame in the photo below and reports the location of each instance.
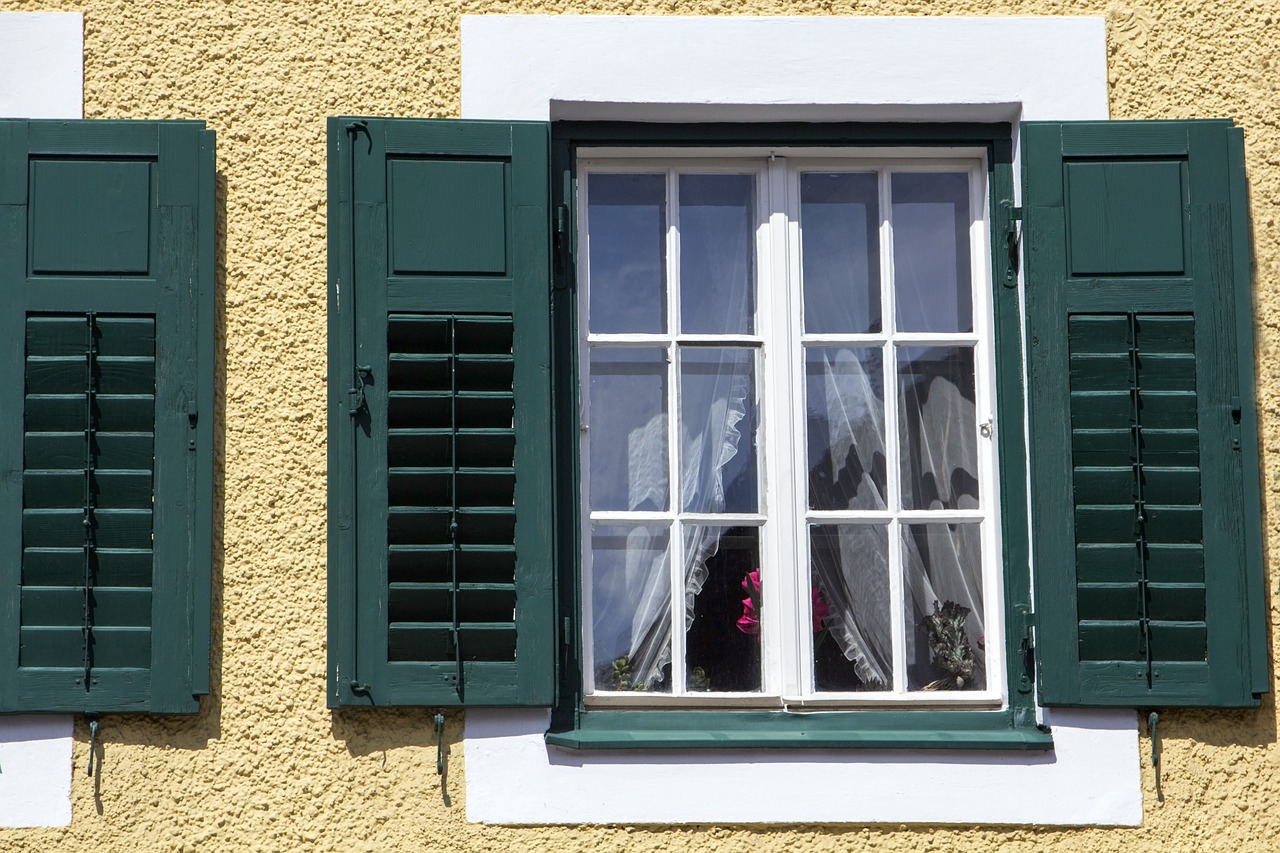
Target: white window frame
(783, 517)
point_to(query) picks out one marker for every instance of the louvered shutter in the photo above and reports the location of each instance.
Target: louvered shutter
(440, 461)
(1144, 453)
(106, 350)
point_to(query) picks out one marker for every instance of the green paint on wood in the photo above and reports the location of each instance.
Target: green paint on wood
(106, 545)
(440, 483)
(1133, 304)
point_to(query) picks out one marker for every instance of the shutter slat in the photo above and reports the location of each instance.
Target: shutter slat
(433, 642)
(113, 648)
(112, 606)
(111, 489)
(65, 566)
(65, 412)
(118, 451)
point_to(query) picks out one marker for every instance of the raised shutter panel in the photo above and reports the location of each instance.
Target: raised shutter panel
(106, 279)
(440, 393)
(1148, 589)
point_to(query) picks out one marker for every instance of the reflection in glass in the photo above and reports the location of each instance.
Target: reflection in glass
(630, 608)
(844, 401)
(628, 431)
(723, 609)
(943, 573)
(718, 429)
(626, 252)
(840, 252)
(931, 263)
(717, 254)
(937, 428)
(853, 646)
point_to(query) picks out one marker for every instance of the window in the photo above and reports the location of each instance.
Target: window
(759, 509)
(465, 350)
(106, 505)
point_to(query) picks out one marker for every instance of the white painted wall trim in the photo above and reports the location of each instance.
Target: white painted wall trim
(35, 771)
(41, 76)
(798, 69)
(537, 68)
(1091, 777)
(41, 65)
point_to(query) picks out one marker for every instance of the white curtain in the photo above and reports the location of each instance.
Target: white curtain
(850, 563)
(707, 445)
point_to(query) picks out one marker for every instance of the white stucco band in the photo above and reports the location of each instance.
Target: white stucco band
(41, 64)
(800, 69)
(41, 76)
(793, 69)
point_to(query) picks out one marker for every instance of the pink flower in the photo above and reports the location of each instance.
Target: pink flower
(749, 622)
(820, 609)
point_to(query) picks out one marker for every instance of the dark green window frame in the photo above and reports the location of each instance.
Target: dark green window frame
(1012, 727)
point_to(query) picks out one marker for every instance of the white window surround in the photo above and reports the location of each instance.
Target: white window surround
(793, 69)
(41, 76)
(41, 64)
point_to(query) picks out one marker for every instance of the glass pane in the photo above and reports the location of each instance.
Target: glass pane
(937, 426)
(722, 618)
(844, 401)
(717, 254)
(946, 643)
(931, 267)
(627, 252)
(628, 429)
(850, 606)
(718, 429)
(840, 252)
(631, 608)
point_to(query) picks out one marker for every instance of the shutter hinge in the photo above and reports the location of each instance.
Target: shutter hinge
(364, 374)
(1236, 414)
(1027, 646)
(355, 128)
(1012, 260)
(193, 418)
(561, 247)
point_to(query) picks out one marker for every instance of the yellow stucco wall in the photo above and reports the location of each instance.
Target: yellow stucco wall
(267, 766)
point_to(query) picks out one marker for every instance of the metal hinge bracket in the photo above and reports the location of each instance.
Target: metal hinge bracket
(1012, 261)
(1027, 647)
(363, 375)
(561, 248)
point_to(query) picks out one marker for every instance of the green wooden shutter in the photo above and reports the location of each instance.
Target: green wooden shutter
(106, 455)
(1146, 523)
(440, 400)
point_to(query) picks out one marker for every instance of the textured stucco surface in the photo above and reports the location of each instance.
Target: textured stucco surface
(266, 766)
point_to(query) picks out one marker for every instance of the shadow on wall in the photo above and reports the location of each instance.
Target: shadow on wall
(376, 731)
(177, 731)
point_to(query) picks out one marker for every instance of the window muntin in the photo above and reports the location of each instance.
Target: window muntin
(824, 297)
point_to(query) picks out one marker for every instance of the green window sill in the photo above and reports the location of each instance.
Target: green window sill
(808, 730)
